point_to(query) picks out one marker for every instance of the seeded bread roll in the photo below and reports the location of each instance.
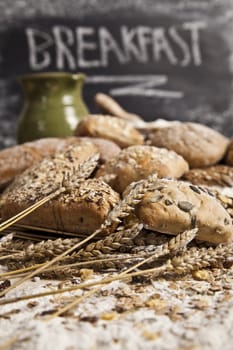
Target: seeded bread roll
(199, 145)
(14, 160)
(48, 174)
(111, 128)
(229, 154)
(175, 206)
(138, 162)
(81, 210)
(216, 175)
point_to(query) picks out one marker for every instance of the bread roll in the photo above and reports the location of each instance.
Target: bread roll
(111, 128)
(106, 148)
(48, 174)
(14, 160)
(199, 145)
(138, 162)
(229, 154)
(175, 206)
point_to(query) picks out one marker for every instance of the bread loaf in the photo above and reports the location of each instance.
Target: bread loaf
(81, 210)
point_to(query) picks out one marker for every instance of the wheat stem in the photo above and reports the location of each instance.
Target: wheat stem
(152, 271)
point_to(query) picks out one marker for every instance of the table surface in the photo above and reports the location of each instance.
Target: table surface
(167, 313)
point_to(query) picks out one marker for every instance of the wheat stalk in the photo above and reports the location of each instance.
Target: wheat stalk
(33, 253)
(107, 261)
(173, 245)
(47, 264)
(220, 253)
(199, 258)
(128, 203)
(80, 172)
(43, 249)
(112, 242)
(148, 272)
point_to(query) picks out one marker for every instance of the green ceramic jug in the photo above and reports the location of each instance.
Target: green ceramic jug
(53, 105)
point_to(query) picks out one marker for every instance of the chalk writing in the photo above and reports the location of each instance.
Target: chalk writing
(89, 47)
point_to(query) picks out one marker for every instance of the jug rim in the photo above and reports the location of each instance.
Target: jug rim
(47, 75)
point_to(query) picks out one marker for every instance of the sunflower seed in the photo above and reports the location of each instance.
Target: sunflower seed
(195, 189)
(185, 206)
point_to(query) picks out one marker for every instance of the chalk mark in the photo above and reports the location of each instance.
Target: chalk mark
(140, 85)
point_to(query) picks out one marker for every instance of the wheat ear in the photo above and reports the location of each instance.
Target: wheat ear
(6, 241)
(80, 172)
(44, 249)
(200, 258)
(128, 203)
(112, 242)
(173, 245)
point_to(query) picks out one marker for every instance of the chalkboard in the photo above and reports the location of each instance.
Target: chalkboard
(160, 59)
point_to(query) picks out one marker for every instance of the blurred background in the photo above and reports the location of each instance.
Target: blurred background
(160, 59)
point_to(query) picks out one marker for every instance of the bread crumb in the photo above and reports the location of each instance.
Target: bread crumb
(160, 306)
(202, 275)
(86, 274)
(108, 316)
(150, 335)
